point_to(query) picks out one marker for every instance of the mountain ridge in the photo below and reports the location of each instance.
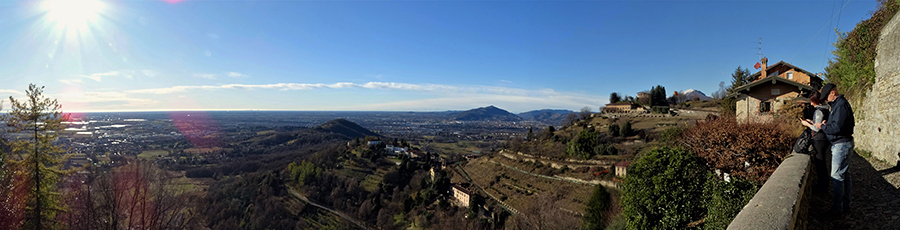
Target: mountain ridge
(488, 113)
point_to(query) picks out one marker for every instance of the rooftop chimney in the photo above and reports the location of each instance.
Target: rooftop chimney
(765, 66)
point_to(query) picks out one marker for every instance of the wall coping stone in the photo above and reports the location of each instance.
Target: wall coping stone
(783, 201)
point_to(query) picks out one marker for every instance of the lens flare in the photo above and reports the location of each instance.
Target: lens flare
(73, 13)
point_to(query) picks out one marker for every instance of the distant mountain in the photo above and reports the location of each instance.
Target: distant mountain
(337, 129)
(553, 116)
(345, 127)
(489, 113)
(540, 112)
(689, 95)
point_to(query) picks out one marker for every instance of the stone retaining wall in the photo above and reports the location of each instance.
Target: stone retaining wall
(878, 116)
(783, 201)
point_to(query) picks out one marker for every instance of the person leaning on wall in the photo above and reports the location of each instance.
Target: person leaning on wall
(820, 141)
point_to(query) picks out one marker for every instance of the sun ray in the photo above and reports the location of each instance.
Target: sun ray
(73, 15)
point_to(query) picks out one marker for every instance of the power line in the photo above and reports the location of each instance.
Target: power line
(820, 30)
(825, 56)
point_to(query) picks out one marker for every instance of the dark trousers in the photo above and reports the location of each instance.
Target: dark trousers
(820, 161)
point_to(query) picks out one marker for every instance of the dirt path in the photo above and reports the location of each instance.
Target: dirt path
(875, 198)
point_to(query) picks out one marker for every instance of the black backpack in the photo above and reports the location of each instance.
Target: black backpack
(803, 142)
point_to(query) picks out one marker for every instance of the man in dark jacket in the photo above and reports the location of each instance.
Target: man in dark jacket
(839, 129)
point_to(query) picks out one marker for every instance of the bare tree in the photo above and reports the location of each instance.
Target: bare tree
(570, 119)
(721, 93)
(585, 113)
(545, 212)
(134, 196)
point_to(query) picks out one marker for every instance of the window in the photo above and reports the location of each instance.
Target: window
(790, 75)
(765, 107)
(776, 91)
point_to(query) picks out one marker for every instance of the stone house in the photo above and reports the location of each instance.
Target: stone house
(622, 168)
(773, 87)
(461, 195)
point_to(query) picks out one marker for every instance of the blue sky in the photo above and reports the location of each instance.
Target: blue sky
(112, 55)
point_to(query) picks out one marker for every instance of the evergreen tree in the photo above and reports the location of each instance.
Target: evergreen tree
(530, 134)
(658, 96)
(738, 78)
(596, 208)
(548, 133)
(614, 129)
(40, 118)
(741, 76)
(614, 97)
(583, 144)
(625, 130)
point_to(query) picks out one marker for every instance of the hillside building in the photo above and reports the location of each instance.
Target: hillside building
(623, 107)
(622, 168)
(461, 195)
(773, 87)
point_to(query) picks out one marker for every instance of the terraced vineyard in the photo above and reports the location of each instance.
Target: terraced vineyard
(519, 189)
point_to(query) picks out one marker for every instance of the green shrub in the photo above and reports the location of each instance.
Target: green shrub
(626, 129)
(725, 200)
(659, 109)
(670, 135)
(664, 190)
(613, 129)
(853, 66)
(582, 145)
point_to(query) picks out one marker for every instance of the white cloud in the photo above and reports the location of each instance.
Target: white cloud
(512, 103)
(205, 76)
(212, 35)
(437, 88)
(71, 81)
(236, 74)
(457, 97)
(80, 99)
(5, 91)
(99, 76)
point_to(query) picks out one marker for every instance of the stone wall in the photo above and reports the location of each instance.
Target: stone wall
(878, 117)
(783, 201)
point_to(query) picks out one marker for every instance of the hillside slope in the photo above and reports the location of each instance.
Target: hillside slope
(345, 127)
(552, 116)
(489, 113)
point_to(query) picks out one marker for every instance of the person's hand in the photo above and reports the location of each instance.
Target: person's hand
(805, 122)
(819, 125)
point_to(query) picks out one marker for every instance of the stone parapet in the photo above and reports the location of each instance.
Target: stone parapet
(783, 201)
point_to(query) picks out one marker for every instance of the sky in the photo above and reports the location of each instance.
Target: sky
(113, 55)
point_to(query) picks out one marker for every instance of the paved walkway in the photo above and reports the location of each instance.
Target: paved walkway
(875, 198)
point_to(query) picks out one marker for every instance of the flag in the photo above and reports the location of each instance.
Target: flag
(756, 66)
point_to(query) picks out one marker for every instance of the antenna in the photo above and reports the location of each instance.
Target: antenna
(759, 54)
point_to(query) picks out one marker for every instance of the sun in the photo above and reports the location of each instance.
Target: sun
(72, 13)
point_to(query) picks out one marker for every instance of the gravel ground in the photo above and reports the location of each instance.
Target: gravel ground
(874, 202)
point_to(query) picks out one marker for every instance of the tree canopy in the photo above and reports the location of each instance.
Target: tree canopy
(614, 97)
(39, 118)
(664, 190)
